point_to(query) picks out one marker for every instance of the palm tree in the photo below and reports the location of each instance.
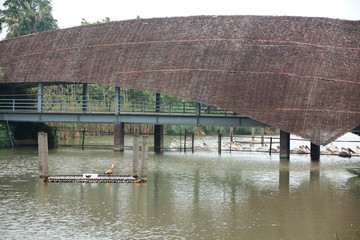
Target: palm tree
(24, 17)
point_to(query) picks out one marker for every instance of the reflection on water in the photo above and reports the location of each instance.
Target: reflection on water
(187, 196)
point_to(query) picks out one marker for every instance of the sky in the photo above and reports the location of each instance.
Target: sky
(70, 12)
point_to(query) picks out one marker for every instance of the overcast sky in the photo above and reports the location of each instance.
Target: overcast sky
(70, 12)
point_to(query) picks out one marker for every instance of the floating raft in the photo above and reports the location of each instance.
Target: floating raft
(91, 178)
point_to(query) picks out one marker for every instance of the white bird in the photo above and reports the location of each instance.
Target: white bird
(174, 144)
(247, 149)
(264, 148)
(346, 152)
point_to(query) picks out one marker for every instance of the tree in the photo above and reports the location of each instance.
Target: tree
(23, 17)
(104, 20)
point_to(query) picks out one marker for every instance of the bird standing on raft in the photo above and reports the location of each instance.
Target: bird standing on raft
(110, 171)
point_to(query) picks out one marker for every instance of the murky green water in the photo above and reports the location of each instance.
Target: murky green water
(187, 196)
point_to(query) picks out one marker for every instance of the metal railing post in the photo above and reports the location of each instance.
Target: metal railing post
(117, 98)
(198, 109)
(13, 107)
(40, 97)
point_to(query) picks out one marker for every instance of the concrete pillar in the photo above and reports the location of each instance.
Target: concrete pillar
(40, 97)
(119, 136)
(85, 98)
(158, 138)
(252, 134)
(136, 156)
(144, 159)
(284, 145)
(43, 154)
(314, 152)
(158, 129)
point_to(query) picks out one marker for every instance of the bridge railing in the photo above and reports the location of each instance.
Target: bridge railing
(107, 106)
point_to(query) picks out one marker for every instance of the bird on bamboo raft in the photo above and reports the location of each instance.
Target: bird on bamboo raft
(110, 171)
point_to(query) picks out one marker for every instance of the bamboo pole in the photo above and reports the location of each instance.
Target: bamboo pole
(219, 142)
(192, 141)
(136, 156)
(144, 159)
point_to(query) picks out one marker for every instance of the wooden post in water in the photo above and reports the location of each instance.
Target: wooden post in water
(185, 142)
(219, 142)
(144, 159)
(83, 139)
(270, 146)
(180, 141)
(192, 141)
(262, 136)
(43, 155)
(136, 156)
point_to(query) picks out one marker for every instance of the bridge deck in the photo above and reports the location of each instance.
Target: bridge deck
(183, 113)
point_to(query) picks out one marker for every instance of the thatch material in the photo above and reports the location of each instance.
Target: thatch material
(299, 74)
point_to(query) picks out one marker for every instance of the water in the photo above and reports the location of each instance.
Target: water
(188, 196)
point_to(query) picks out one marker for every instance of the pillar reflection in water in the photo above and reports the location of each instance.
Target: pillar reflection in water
(284, 176)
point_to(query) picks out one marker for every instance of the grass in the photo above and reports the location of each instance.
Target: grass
(356, 233)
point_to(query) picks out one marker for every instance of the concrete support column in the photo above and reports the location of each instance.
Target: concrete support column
(158, 138)
(119, 136)
(284, 145)
(314, 152)
(40, 97)
(85, 98)
(158, 129)
(43, 154)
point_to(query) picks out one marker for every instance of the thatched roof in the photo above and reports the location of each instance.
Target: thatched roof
(301, 75)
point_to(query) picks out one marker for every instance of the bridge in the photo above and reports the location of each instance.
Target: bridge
(116, 111)
(298, 74)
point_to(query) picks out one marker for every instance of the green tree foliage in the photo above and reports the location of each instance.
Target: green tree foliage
(23, 17)
(104, 20)
(4, 135)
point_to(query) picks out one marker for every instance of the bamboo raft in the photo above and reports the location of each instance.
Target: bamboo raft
(91, 178)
